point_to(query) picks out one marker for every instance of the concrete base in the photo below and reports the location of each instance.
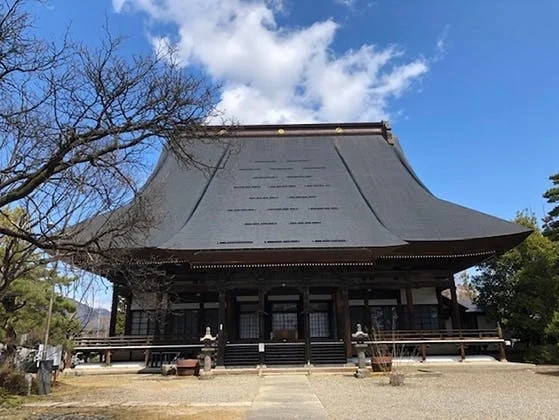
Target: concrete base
(204, 376)
(347, 369)
(168, 369)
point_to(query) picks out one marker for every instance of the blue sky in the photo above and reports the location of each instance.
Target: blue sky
(471, 88)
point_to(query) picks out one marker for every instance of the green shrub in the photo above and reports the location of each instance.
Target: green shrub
(13, 381)
(547, 354)
(8, 401)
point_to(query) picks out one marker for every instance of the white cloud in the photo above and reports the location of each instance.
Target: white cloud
(348, 3)
(442, 44)
(270, 73)
(117, 4)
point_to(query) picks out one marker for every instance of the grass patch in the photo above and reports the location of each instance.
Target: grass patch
(121, 413)
(9, 401)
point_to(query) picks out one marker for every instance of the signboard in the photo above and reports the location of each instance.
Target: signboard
(53, 353)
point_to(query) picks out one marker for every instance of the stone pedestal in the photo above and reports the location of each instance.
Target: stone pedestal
(361, 371)
(206, 372)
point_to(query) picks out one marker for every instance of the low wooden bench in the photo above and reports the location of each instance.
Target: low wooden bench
(424, 339)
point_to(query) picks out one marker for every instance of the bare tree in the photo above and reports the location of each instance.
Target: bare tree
(75, 127)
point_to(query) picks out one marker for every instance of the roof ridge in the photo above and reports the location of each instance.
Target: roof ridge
(289, 130)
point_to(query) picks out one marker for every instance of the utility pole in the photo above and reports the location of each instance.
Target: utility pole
(49, 316)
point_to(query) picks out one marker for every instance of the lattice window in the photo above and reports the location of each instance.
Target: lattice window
(141, 323)
(248, 325)
(384, 317)
(426, 317)
(284, 321)
(185, 323)
(320, 324)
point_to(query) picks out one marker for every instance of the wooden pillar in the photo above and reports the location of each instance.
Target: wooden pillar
(340, 320)
(441, 318)
(367, 326)
(200, 299)
(456, 324)
(128, 320)
(231, 318)
(409, 308)
(262, 313)
(346, 321)
(114, 311)
(222, 329)
(307, 324)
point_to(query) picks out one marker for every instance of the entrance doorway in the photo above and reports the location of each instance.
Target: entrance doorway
(279, 315)
(284, 325)
(284, 311)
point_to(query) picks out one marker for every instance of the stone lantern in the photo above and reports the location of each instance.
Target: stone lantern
(209, 348)
(359, 337)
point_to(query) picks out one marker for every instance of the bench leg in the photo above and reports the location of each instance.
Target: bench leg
(423, 350)
(502, 353)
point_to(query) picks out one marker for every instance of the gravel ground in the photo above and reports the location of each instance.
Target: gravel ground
(458, 391)
(471, 392)
(145, 389)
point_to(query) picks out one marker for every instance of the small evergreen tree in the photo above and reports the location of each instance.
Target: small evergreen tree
(520, 288)
(551, 221)
(26, 283)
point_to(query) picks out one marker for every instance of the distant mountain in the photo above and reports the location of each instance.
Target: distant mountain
(94, 320)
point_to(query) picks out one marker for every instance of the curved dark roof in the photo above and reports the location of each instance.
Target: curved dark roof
(320, 188)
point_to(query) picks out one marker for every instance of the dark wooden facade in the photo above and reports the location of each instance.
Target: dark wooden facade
(308, 312)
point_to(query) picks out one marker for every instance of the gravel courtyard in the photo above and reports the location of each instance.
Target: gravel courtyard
(430, 391)
(459, 393)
